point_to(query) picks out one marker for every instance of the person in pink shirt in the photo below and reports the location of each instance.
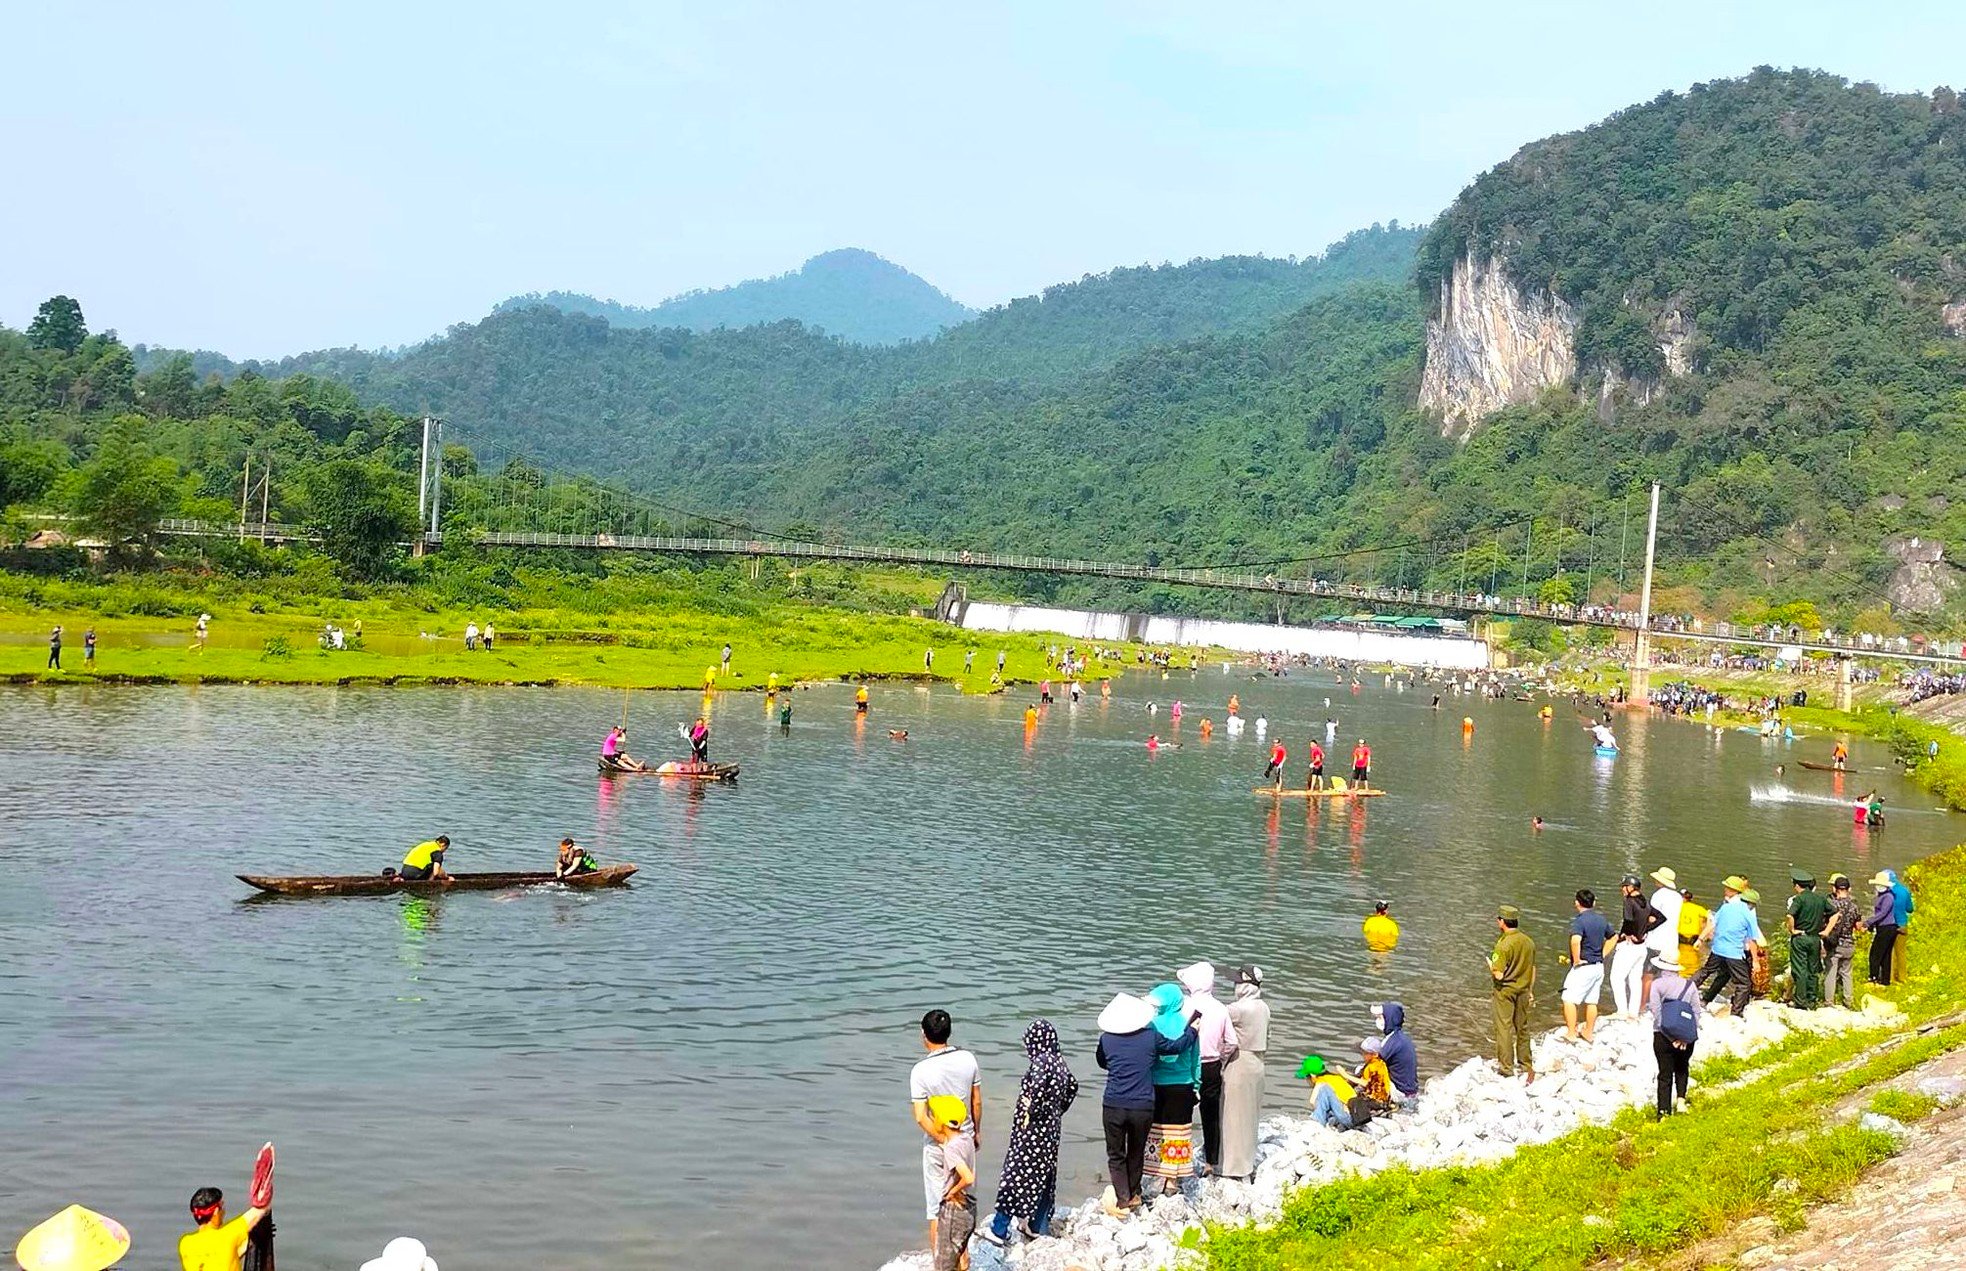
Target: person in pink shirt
(1218, 1044)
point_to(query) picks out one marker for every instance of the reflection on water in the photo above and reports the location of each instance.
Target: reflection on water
(731, 1036)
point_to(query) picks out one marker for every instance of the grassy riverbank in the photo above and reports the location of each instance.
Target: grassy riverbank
(1769, 1135)
(651, 629)
(671, 650)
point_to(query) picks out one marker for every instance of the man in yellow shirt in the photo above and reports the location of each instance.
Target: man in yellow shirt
(426, 860)
(217, 1245)
(1381, 932)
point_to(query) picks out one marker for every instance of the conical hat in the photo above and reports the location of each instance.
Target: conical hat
(76, 1239)
(1125, 1014)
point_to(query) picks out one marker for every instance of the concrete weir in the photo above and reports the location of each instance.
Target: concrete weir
(1247, 637)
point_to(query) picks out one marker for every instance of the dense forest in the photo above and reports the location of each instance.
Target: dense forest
(852, 294)
(1800, 236)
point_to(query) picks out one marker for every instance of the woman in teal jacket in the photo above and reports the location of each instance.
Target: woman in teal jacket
(1177, 1082)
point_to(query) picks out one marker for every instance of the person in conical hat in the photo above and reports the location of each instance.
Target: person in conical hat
(1129, 1044)
(76, 1239)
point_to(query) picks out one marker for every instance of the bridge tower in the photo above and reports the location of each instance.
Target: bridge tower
(1642, 646)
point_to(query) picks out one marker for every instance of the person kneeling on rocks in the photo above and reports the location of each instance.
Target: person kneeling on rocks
(1335, 1101)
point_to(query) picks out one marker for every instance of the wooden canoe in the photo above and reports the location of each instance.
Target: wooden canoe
(1292, 792)
(1822, 767)
(687, 771)
(379, 885)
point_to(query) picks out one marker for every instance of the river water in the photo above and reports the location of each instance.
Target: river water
(710, 1068)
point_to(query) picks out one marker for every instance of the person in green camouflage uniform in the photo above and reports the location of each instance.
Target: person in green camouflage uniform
(1809, 912)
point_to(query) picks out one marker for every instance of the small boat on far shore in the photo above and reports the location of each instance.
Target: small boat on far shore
(386, 884)
(671, 768)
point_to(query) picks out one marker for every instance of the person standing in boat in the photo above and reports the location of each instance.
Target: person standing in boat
(698, 736)
(1277, 756)
(1314, 780)
(1361, 764)
(425, 861)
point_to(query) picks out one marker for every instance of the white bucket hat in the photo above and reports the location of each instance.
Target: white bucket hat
(404, 1253)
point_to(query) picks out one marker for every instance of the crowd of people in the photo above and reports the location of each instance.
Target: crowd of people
(1670, 958)
(1176, 1060)
(1925, 683)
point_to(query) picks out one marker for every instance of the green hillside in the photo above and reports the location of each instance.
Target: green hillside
(1799, 237)
(849, 293)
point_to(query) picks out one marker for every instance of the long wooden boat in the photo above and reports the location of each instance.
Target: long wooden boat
(1293, 792)
(672, 768)
(383, 885)
(1822, 767)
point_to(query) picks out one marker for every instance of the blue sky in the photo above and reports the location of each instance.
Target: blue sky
(266, 178)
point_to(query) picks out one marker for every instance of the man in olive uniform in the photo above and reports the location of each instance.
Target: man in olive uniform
(1513, 968)
(1809, 912)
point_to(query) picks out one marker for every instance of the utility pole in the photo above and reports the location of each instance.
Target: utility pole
(1642, 647)
(265, 497)
(422, 488)
(437, 480)
(245, 493)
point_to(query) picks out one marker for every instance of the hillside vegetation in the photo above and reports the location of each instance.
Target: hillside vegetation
(852, 294)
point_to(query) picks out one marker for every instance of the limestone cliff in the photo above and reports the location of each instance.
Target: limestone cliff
(1490, 345)
(1923, 580)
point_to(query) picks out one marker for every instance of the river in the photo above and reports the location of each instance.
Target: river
(710, 1068)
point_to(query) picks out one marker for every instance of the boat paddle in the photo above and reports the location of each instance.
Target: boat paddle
(259, 1244)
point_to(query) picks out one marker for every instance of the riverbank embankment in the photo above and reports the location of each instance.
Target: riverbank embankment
(1788, 1110)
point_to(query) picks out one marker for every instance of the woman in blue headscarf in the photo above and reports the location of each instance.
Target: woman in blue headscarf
(1177, 1082)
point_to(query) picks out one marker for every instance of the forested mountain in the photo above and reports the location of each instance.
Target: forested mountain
(849, 293)
(1750, 292)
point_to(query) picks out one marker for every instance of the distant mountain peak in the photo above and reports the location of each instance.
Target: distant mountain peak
(849, 292)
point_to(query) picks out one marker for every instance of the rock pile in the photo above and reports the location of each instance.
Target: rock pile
(1468, 1116)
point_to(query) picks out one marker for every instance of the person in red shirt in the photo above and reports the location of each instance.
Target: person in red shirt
(1275, 770)
(1361, 764)
(1316, 779)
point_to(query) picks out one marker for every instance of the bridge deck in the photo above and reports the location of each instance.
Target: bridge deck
(1228, 580)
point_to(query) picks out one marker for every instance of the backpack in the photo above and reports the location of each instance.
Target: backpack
(1678, 1022)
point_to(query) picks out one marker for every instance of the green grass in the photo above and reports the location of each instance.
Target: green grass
(1763, 1138)
(669, 649)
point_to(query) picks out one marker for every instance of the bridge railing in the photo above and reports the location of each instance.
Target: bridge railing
(1227, 579)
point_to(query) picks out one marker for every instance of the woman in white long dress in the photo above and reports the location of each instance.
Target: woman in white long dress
(1242, 1076)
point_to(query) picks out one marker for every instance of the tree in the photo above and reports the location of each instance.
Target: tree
(125, 490)
(58, 325)
(362, 510)
(28, 470)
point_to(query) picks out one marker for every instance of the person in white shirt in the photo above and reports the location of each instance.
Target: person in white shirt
(948, 1070)
(1218, 1044)
(1662, 938)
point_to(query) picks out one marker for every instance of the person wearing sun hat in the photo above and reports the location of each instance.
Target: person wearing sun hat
(1883, 927)
(404, 1253)
(1662, 925)
(1128, 1046)
(1331, 1093)
(1734, 933)
(76, 1239)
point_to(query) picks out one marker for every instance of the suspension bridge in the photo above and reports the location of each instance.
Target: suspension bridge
(504, 500)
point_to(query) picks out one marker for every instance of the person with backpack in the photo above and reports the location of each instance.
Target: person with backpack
(1676, 1008)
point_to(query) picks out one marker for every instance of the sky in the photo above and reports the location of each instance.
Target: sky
(262, 179)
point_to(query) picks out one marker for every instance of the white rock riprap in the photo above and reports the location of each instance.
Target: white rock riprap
(1468, 1116)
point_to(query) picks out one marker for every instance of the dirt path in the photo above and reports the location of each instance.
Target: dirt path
(1909, 1212)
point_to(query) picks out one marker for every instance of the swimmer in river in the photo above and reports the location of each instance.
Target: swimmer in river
(1536, 824)
(897, 734)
